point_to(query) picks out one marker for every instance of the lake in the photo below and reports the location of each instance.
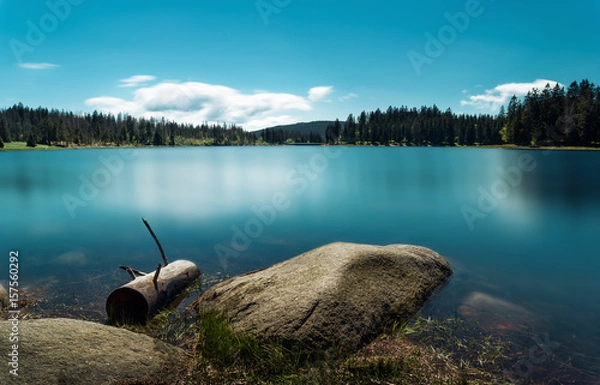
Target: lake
(520, 227)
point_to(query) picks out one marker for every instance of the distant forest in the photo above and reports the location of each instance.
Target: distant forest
(548, 117)
(60, 128)
(552, 116)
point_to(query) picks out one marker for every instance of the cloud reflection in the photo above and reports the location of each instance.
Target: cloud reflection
(205, 187)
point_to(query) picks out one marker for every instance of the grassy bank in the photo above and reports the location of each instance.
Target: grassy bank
(422, 351)
(425, 350)
(543, 148)
(22, 146)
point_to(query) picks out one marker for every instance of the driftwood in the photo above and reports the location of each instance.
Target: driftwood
(147, 294)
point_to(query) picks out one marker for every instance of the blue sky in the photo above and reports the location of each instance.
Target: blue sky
(259, 63)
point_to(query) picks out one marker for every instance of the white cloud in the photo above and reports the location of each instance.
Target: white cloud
(194, 102)
(500, 95)
(38, 66)
(114, 106)
(317, 94)
(351, 95)
(136, 81)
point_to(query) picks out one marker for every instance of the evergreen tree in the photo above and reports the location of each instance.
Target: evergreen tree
(553, 127)
(362, 127)
(349, 135)
(337, 130)
(31, 140)
(158, 138)
(584, 119)
(596, 114)
(470, 134)
(512, 120)
(333, 131)
(4, 130)
(416, 132)
(448, 128)
(530, 120)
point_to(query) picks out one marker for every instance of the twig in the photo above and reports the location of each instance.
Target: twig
(162, 252)
(156, 273)
(140, 273)
(129, 270)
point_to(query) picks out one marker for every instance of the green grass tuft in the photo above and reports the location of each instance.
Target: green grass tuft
(421, 351)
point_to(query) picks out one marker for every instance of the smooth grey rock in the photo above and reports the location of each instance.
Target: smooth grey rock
(341, 295)
(65, 351)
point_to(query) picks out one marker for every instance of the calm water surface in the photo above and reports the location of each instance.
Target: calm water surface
(520, 228)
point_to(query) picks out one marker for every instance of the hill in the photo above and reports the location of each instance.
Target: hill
(317, 127)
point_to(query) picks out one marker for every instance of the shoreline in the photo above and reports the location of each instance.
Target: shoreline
(21, 146)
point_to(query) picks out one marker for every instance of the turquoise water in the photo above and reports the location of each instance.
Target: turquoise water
(520, 228)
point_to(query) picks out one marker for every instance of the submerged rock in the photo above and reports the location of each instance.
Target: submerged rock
(340, 295)
(65, 351)
(494, 314)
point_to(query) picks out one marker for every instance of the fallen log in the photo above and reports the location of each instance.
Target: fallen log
(147, 294)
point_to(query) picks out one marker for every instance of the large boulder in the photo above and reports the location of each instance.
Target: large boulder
(65, 351)
(339, 295)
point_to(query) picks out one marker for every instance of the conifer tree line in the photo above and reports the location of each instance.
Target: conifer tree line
(60, 128)
(281, 136)
(53, 127)
(550, 117)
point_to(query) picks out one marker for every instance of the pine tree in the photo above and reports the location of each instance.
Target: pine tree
(337, 130)
(349, 135)
(4, 130)
(362, 127)
(31, 140)
(471, 134)
(531, 120)
(596, 113)
(158, 138)
(512, 121)
(554, 129)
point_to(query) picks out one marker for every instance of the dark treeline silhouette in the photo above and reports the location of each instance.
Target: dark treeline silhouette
(60, 128)
(551, 116)
(281, 136)
(555, 117)
(416, 127)
(547, 117)
(53, 127)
